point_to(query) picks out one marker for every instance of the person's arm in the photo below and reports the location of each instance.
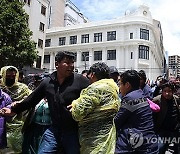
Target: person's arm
(6, 111)
(85, 104)
(8, 101)
(121, 117)
(31, 101)
(157, 100)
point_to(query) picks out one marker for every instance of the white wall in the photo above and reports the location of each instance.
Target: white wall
(73, 15)
(35, 17)
(123, 44)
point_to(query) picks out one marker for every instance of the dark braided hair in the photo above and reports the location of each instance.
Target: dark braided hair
(101, 70)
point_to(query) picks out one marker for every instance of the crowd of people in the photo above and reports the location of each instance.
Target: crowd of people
(97, 111)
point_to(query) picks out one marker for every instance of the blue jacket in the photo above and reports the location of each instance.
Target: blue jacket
(5, 100)
(147, 91)
(134, 125)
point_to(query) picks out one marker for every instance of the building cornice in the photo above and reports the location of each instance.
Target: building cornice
(109, 44)
(125, 21)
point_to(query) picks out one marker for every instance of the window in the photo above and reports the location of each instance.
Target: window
(46, 58)
(41, 27)
(143, 52)
(85, 56)
(144, 34)
(111, 55)
(111, 35)
(43, 10)
(29, 1)
(62, 41)
(131, 35)
(73, 40)
(48, 43)
(131, 55)
(26, 1)
(97, 37)
(97, 55)
(85, 38)
(40, 43)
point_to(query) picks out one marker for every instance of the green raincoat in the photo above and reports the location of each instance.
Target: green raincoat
(95, 110)
(18, 91)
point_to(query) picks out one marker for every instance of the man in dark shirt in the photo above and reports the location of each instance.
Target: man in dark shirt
(60, 89)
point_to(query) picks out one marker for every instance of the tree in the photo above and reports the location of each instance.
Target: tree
(16, 46)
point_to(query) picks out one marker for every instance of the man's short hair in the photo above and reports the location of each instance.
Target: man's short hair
(131, 76)
(101, 70)
(64, 54)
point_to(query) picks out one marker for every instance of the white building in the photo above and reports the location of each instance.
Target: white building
(72, 15)
(64, 13)
(133, 41)
(174, 65)
(44, 14)
(37, 11)
(56, 10)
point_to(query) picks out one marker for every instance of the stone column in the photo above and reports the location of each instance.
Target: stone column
(125, 57)
(78, 61)
(52, 62)
(136, 57)
(104, 54)
(91, 57)
(118, 57)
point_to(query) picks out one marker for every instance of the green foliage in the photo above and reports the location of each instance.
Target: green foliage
(16, 46)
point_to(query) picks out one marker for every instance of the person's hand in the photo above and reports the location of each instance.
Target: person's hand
(6, 112)
(69, 107)
(15, 103)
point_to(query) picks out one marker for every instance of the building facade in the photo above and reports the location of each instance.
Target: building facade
(63, 13)
(56, 10)
(37, 11)
(133, 41)
(73, 15)
(174, 65)
(45, 14)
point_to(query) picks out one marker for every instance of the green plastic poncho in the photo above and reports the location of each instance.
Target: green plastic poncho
(95, 110)
(18, 91)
